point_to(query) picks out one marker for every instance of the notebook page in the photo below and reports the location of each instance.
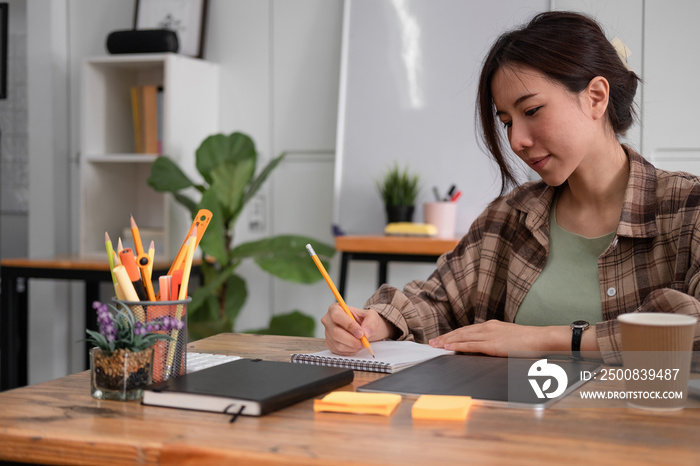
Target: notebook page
(390, 356)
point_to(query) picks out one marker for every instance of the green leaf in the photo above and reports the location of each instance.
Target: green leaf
(286, 257)
(294, 323)
(219, 148)
(212, 282)
(236, 295)
(260, 179)
(213, 243)
(229, 182)
(190, 204)
(398, 187)
(166, 176)
(199, 330)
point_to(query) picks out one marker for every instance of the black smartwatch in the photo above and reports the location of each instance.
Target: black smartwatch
(577, 328)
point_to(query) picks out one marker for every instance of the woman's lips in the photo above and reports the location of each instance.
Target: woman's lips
(538, 164)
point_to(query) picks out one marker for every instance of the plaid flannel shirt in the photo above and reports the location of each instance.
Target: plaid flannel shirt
(652, 264)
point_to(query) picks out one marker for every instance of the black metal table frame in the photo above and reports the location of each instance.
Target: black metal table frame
(382, 260)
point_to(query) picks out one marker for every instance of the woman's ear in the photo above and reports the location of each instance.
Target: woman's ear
(598, 93)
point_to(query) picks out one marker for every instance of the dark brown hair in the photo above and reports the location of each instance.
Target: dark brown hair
(568, 48)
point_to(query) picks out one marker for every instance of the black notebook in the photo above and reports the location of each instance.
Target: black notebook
(491, 381)
(250, 387)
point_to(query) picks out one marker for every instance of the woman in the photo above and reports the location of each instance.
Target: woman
(549, 266)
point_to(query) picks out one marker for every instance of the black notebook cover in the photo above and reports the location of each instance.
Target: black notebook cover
(491, 381)
(250, 387)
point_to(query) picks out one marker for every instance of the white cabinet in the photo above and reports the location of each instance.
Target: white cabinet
(113, 177)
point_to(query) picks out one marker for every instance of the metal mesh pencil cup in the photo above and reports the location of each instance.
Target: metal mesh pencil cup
(169, 356)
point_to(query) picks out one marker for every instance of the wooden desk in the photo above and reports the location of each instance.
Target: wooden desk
(58, 422)
(385, 249)
(14, 309)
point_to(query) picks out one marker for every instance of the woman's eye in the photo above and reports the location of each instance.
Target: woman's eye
(531, 112)
(507, 124)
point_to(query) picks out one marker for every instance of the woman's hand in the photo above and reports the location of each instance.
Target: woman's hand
(343, 333)
(497, 338)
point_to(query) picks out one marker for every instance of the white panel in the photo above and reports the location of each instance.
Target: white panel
(408, 89)
(302, 204)
(671, 93)
(622, 19)
(306, 73)
(238, 39)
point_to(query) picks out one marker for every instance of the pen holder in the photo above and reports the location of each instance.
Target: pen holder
(169, 356)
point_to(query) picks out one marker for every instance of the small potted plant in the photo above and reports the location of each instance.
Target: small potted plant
(121, 363)
(399, 190)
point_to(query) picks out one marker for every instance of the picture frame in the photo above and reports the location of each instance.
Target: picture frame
(186, 17)
(4, 37)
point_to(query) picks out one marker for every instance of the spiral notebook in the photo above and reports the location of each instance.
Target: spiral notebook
(391, 356)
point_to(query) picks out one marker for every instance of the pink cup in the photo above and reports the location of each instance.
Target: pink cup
(443, 216)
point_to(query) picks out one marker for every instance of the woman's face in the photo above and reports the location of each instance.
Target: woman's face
(548, 127)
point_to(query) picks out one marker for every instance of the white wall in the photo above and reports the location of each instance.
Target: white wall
(671, 93)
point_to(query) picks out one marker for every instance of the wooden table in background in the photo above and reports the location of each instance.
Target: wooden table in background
(385, 249)
(14, 309)
(58, 422)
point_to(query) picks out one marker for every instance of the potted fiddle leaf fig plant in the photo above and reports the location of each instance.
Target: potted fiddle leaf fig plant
(399, 189)
(227, 164)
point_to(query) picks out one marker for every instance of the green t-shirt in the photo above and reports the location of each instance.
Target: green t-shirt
(569, 287)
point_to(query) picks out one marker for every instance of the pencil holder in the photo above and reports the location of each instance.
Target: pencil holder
(169, 356)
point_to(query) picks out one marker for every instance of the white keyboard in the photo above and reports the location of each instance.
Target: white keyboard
(198, 361)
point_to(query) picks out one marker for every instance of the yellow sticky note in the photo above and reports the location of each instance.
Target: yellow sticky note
(358, 403)
(441, 407)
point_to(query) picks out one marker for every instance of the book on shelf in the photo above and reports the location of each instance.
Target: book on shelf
(390, 356)
(136, 119)
(147, 115)
(159, 117)
(250, 387)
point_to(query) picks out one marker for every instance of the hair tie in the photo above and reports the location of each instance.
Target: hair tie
(622, 51)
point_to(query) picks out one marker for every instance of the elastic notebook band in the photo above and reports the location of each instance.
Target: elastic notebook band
(235, 415)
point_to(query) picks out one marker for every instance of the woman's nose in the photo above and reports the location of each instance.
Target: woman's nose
(519, 137)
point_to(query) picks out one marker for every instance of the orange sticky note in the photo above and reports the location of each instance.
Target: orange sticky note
(358, 403)
(441, 407)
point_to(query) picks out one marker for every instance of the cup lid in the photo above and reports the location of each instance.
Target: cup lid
(657, 318)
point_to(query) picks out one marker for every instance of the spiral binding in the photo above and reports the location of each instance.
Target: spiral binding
(355, 364)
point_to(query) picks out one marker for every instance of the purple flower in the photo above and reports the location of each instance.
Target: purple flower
(105, 321)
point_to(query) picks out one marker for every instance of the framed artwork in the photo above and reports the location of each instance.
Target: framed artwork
(186, 17)
(3, 49)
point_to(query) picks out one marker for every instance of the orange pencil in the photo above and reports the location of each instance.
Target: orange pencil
(138, 246)
(336, 293)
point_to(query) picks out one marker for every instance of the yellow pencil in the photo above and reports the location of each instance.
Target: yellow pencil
(191, 246)
(110, 259)
(151, 257)
(336, 293)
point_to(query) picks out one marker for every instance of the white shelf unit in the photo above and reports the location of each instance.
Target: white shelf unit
(113, 177)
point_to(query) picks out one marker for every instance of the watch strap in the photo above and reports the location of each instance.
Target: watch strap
(576, 342)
